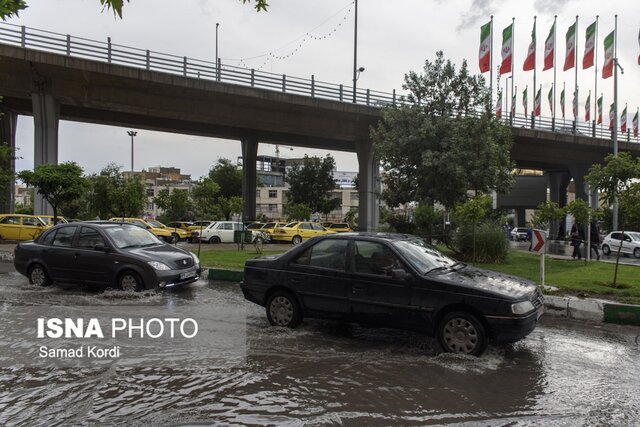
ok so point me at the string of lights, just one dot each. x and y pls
(308, 36)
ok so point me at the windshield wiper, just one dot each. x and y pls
(442, 267)
(458, 264)
(130, 246)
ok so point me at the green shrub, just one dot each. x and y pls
(490, 244)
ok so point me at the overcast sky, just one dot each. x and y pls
(393, 38)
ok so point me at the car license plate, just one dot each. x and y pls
(187, 274)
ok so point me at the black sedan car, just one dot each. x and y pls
(105, 253)
(393, 280)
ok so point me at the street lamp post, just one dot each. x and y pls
(217, 57)
(132, 134)
(355, 52)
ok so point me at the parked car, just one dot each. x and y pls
(48, 219)
(340, 227)
(177, 232)
(21, 227)
(183, 225)
(297, 232)
(269, 227)
(520, 233)
(105, 253)
(220, 232)
(630, 243)
(393, 280)
(197, 225)
(160, 232)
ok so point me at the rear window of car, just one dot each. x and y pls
(329, 253)
(89, 238)
(339, 226)
(64, 236)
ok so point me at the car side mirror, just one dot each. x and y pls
(400, 274)
(101, 247)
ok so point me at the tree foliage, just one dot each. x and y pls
(228, 177)
(177, 205)
(7, 174)
(113, 194)
(311, 184)
(546, 214)
(297, 212)
(204, 195)
(56, 183)
(442, 142)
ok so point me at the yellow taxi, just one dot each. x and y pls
(178, 232)
(21, 227)
(297, 232)
(160, 232)
(270, 228)
(48, 219)
(200, 224)
(340, 227)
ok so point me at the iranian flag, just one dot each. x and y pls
(550, 99)
(536, 104)
(607, 69)
(635, 125)
(599, 103)
(587, 109)
(623, 120)
(499, 105)
(589, 46)
(530, 62)
(549, 49)
(562, 102)
(524, 101)
(569, 59)
(612, 116)
(485, 47)
(507, 50)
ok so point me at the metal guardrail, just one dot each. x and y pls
(109, 52)
(112, 53)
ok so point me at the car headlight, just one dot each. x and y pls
(195, 258)
(522, 307)
(159, 265)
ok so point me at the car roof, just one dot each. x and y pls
(371, 235)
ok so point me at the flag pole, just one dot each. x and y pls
(615, 111)
(553, 122)
(595, 67)
(575, 92)
(564, 103)
(513, 64)
(491, 60)
(535, 51)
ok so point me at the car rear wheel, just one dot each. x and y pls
(214, 239)
(606, 250)
(636, 252)
(176, 238)
(296, 240)
(130, 282)
(283, 310)
(38, 276)
(461, 332)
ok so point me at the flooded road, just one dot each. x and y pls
(240, 371)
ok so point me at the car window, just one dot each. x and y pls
(139, 223)
(374, 258)
(615, 236)
(47, 239)
(155, 224)
(329, 253)
(30, 221)
(226, 226)
(635, 236)
(89, 238)
(269, 225)
(11, 220)
(317, 227)
(126, 236)
(305, 226)
(627, 238)
(64, 236)
(238, 226)
(291, 224)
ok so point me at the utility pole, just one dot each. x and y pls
(217, 57)
(355, 52)
(132, 134)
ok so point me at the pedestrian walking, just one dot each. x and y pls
(576, 241)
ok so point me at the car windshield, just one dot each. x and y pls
(155, 224)
(634, 236)
(291, 224)
(130, 236)
(422, 256)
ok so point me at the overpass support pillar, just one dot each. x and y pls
(249, 157)
(368, 187)
(578, 171)
(558, 182)
(46, 116)
(8, 124)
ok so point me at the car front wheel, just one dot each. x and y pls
(636, 252)
(296, 240)
(461, 332)
(283, 310)
(606, 250)
(214, 239)
(130, 282)
(38, 276)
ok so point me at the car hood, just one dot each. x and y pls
(479, 279)
(164, 253)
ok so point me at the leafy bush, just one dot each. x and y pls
(486, 242)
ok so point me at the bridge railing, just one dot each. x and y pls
(112, 53)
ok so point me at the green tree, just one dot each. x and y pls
(471, 214)
(228, 177)
(441, 142)
(113, 194)
(204, 196)
(56, 183)
(230, 205)
(297, 212)
(177, 205)
(311, 183)
(7, 174)
(547, 215)
(616, 181)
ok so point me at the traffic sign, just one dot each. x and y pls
(538, 240)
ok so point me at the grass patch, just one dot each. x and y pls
(232, 259)
(594, 279)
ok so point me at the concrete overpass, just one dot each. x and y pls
(50, 86)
